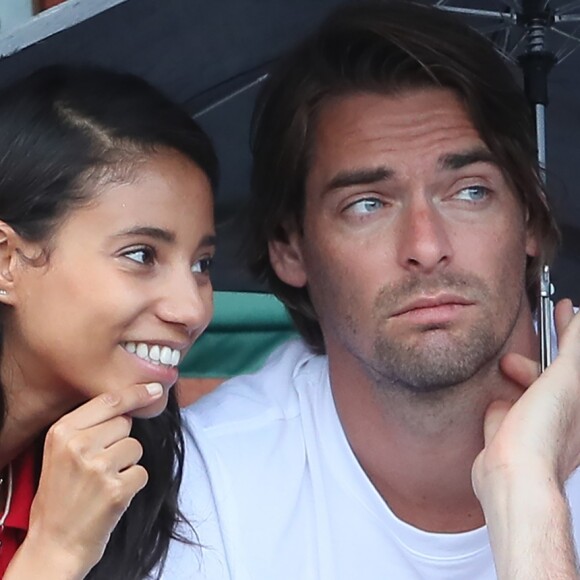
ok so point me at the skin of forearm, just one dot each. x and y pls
(37, 560)
(529, 525)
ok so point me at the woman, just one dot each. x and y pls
(106, 235)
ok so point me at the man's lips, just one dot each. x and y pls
(441, 302)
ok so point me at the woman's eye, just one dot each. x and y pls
(472, 193)
(365, 206)
(144, 256)
(202, 266)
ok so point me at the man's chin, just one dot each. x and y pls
(436, 363)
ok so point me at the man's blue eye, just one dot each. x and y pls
(473, 193)
(366, 206)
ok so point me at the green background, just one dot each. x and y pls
(245, 328)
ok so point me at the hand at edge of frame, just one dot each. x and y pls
(89, 476)
(531, 448)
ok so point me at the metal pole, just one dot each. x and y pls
(536, 16)
(540, 110)
(483, 13)
(536, 64)
(546, 304)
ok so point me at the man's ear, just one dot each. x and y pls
(10, 241)
(287, 259)
(532, 246)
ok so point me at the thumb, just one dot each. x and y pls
(493, 419)
(519, 369)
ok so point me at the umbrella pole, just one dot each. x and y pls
(546, 288)
(536, 17)
(536, 64)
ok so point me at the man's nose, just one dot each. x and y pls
(424, 243)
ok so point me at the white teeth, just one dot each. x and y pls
(155, 353)
(165, 357)
(142, 350)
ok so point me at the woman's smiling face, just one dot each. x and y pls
(125, 291)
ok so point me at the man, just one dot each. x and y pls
(399, 214)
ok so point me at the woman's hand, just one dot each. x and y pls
(89, 477)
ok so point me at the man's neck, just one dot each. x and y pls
(416, 449)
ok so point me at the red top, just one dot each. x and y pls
(16, 525)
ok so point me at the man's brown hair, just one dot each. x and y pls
(386, 48)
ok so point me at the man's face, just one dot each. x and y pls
(414, 245)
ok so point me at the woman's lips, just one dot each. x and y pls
(150, 372)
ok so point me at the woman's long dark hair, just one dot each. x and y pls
(63, 131)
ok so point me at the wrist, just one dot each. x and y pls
(38, 557)
(514, 474)
(530, 515)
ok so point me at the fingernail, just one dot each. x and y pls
(154, 389)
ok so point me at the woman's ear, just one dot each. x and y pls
(10, 242)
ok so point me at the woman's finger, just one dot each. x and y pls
(86, 442)
(112, 404)
(105, 434)
(121, 455)
(134, 479)
(118, 493)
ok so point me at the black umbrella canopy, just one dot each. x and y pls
(213, 56)
(205, 55)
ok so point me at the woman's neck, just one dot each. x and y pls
(29, 406)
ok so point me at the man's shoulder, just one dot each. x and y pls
(250, 401)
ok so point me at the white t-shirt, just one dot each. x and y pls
(275, 492)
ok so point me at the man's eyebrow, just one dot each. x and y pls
(455, 161)
(365, 176)
(370, 175)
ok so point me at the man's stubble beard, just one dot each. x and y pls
(439, 357)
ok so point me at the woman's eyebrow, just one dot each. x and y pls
(149, 231)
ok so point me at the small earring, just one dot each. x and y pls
(3, 292)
